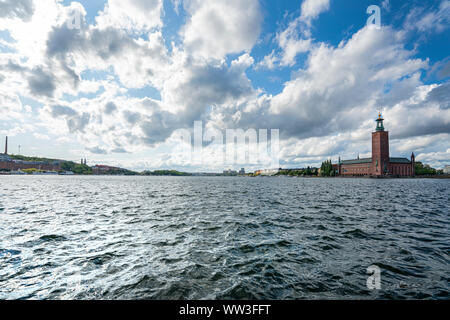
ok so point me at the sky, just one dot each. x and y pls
(114, 81)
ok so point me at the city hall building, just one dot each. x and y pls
(380, 164)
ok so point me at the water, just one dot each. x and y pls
(222, 238)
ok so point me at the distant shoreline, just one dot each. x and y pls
(195, 175)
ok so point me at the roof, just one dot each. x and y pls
(369, 160)
(399, 160)
(357, 161)
(4, 157)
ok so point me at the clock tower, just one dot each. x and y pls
(380, 149)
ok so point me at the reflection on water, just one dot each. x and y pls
(222, 238)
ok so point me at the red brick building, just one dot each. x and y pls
(15, 165)
(380, 164)
(8, 164)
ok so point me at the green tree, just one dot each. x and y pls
(327, 170)
(424, 170)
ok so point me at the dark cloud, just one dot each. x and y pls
(159, 127)
(131, 117)
(110, 107)
(441, 95)
(119, 150)
(75, 122)
(445, 71)
(14, 67)
(97, 150)
(430, 127)
(41, 83)
(63, 42)
(105, 43)
(79, 122)
(22, 9)
(218, 83)
(58, 111)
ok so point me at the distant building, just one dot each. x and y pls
(242, 171)
(9, 165)
(447, 169)
(102, 169)
(4, 156)
(380, 164)
(230, 172)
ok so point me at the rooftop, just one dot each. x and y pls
(399, 160)
(357, 161)
(369, 160)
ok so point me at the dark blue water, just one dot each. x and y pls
(222, 238)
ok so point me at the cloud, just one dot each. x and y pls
(296, 38)
(445, 71)
(110, 108)
(328, 107)
(311, 9)
(76, 122)
(342, 87)
(41, 83)
(437, 159)
(41, 136)
(134, 15)
(429, 20)
(11, 106)
(22, 9)
(216, 28)
(219, 84)
(97, 150)
(441, 95)
(119, 150)
(57, 111)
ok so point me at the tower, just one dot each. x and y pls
(6, 145)
(380, 149)
(413, 164)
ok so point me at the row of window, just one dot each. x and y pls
(402, 170)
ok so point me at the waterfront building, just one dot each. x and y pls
(230, 172)
(10, 165)
(380, 164)
(447, 170)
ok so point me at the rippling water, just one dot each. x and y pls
(222, 238)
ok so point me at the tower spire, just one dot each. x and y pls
(6, 145)
(380, 126)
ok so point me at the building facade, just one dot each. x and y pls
(380, 164)
(8, 164)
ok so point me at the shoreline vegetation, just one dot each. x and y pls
(325, 171)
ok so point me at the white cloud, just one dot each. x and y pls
(311, 9)
(217, 28)
(296, 38)
(136, 15)
(429, 21)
